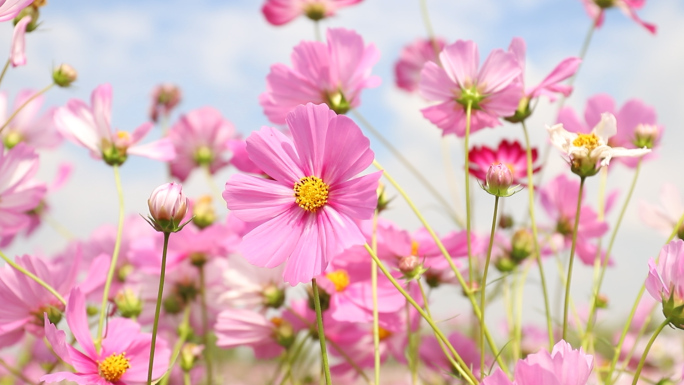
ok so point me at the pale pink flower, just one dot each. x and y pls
(123, 356)
(201, 139)
(494, 89)
(168, 206)
(431, 354)
(165, 97)
(666, 277)
(89, 126)
(628, 7)
(334, 73)
(279, 12)
(412, 59)
(17, 52)
(511, 154)
(242, 327)
(563, 366)
(9, 9)
(309, 206)
(664, 218)
(26, 126)
(252, 286)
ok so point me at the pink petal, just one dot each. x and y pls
(279, 12)
(498, 71)
(552, 83)
(254, 199)
(460, 61)
(272, 242)
(435, 84)
(17, 55)
(101, 101)
(347, 151)
(78, 321)
(356, 198)
(568, 118)
(162, 150)
(309, 127)
(274, 153)
(596, 105)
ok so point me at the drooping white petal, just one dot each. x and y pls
(606, 128)
(561, 138)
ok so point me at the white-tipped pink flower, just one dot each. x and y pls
(90, 127)
(168, 206)
(665, 281)
(279, 12)
(17, 52)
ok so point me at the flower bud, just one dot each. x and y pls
(383, 200)
(274, 296)
(284, 332)
(54, 314)
(412, 267)
(64, 75)
(189, 355)
(129, 304)
(645, 136)
(167, 206)
(506, 221)
(505, 264)
(203, 213)
(602, 301)
(499, 180)
(673, 309)
(522, 245)
(165, 97)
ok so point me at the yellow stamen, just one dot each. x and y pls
(113, 367)
(414, 248)
(123, 135)
(588, 141)
(340, 279)
(383, 333)
(311, 193)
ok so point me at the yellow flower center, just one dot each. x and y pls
(311, 193)
(124, 135)
(588, 141)
(340, 279)
(276, 321)
(113, 367)
(383, 333)
(414, 248)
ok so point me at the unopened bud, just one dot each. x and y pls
(167, 206)
(323, 296)
(165, 97)
(203, 212)
(506, 221)
(274, 296)
(505, 264)
(283, 332)
(54, 314)
(124, 271)
(412, 267)
(499, 180)
(189, 355)
(680, 232)
(198, 259)
(129, 304)
(64, 75)
(605, 4)
(522, 112)
(172, 304)
(92, 310)
(522, 245)
(433, 279)
(383, 200)
(602, 301)
(645, 136)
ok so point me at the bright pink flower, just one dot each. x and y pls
(636, 124)
(279, 12)
(165, 97)
(200, 138)
(564, 366)
(240, 158)
(242, 327)
(494, 89)
(309, 206)
(334, 73)
(9, 9)
(124, 351)
(25, 126)
(665, 217)
(89, 126)
(412, 59)
(628, 7)
(511, 154)
(17, 52)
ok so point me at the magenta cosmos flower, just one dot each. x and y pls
(90, 127)
(412, 59)
(511, 154)
(563, 366)
(279, 12)
(493, 90)
(37, 131)
(596, 10)
(122, 359)
(332, 73)
(308, 208)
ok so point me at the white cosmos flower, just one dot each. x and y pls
(587, 150)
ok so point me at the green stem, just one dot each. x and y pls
(157, 310)
(413, 343)
(183, 331)
(466, 288)
(648, 347)
(205, 326)
(469, 376)
(535, 237)
(115, 258)
(572, 258)
(469, 109)
(484, 288)
(317, 30)
(29, 100)
(640, 333)
(410, 167)
(374, 293)
(4, 69)
(428, 27)
(33, 277)
(186, 378)
(321, 332)
(16, 373)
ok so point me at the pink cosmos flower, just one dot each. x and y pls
(309, 206)
(200, 138)
(25, 126)
(665, 217)
(279, 12)
(9, 9)
(511, 154)
(412, 59)
(596, 9)
(431, 354)
(165, 97)
(89, 126)
(494, 89)
(17, 54)
(637, 125)
(242, 327)
(124, 351)
(564, 366)
(251, 286)
(334, 73)
(666, 277)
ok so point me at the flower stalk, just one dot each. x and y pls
(568, 281)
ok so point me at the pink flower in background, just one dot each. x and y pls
(511, 154)
(17, 51)
(307, 210)
(242, 327)
(165, 97)
(253, 286)
(89, 126)
(334, 73)
(9, 9)
(431, 354)
(122, 359)
(666, 277)
(412, 59)
(279, 12)
(563, 366)
(596, 10)
(26, 126)
(664, 217)
(200, 138)
(494, 89)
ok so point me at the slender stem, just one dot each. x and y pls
(212, 183)
(466, 288)
(411, 168)
(205, 326)
(640, 333)
(450, 176)
(321, 332)
(604, 264)
(535, 237)
(39, 281)
(58, 227)
(4, 69)
(374, 293)
(428, 27)
(16, 373)
(29, 100)
(572, 258)
(186, 378)
(184, 329)
(648, 347)
(413, 343)
(469, 109)
(508, 307)
(157, 310)
(115, 258)
(483, 289)
(317, 30)
(438, 333)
